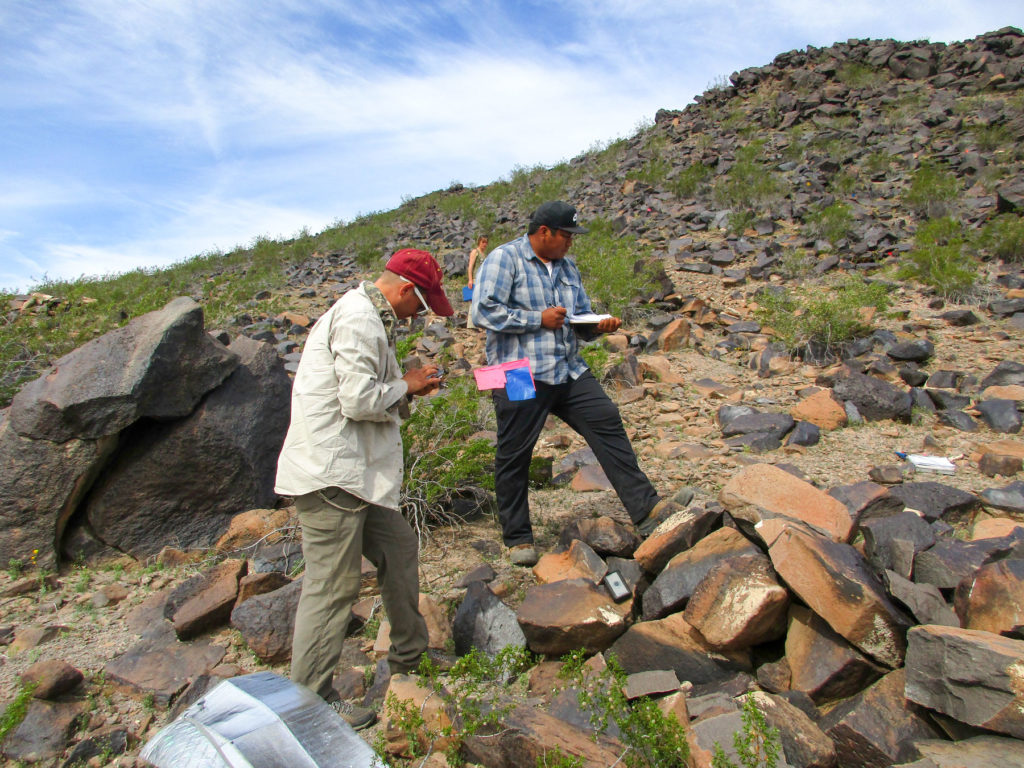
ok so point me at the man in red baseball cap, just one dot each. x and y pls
(342, 463)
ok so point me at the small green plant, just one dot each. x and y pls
(15, 568)
(688, 181)
(941, 260)
(470, 693)
(595, 355)
(857, 75)
(405, 345)
(832, 223)
(822, 315)
(740, 221)
(615, 269)
(441, 462)
(83, 580)
(556, 758)
(1003, 237)
(652, 738)
(16, 710)
(931, 189)
(756, 745)
(749, 184)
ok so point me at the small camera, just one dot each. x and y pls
(616, 586)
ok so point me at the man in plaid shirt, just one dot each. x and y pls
(525, 296)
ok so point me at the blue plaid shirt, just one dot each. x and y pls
(511, 291)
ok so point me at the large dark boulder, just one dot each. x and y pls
(875, 399)
(158, 366)
(181, 482)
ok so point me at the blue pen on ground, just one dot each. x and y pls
(901, 454)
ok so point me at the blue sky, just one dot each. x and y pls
(138, 134)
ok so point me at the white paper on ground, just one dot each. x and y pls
(932, 463)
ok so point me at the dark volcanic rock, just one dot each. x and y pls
(875, 399)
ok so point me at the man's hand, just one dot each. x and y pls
(609, 325)
(422, 381)
(553, 317)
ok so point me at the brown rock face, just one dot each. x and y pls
(574, 613)
(578, 562)
(993, 598)
(762, 491)
(822, 664)
(820, 409)
(973, 676)
(836, 583)
(739, 604)
(671, 643)
(206, 600)
(878, 727)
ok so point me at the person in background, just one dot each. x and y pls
(476, 255)
(526, 292)
(342, 463)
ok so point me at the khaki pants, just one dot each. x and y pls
(337, 528)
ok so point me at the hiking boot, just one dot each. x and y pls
(659, 513)
(523, 554)
(646, 526)
(355, 716)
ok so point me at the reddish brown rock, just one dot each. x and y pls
(972, 676)
(528, 734)
(578, 562)
(762, 491)
(992, 599)
(836, 583)
(407, 691)
(878, 727)
(822, 664)
(676, 534)
(820, 409)
(205, 600)
(260, 584)
(51, 678)
(678, 580)
(247, 528)
(671, 643)
(994, 528)
(575, 613)
(45, 732)
(591, 477)
(739, 604)
(439, 629)
(602, 534)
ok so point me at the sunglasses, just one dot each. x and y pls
(423, 302)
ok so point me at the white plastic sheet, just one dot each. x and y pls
(260, 720)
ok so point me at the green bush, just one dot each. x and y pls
(687, 182)
(749, 184)
(931, 189)
(822, 315)
(609, 266)
(756, 745)
(857, 75)
(832, 223)
(441, 462)
(652, 738)
(1003, 237)
(941, 260)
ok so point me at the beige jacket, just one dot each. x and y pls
(344, 427)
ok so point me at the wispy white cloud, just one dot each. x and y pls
(185, 124)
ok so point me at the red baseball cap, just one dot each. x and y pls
(421, 268)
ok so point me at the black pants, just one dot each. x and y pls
(585, 407)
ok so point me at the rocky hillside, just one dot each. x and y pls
(845, 542)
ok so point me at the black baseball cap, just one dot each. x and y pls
(558, 215)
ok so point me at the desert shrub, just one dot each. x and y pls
(756, 745)
(822, 315)
(738, 221)
(941, 260)
(595, 355)
(878, 164)
(931, 189)
(609, 266)
(688, 181)
(750, 184)
(1003, 237)
(652, 738)
(858, 75)
(470, 691)
(832, 223)
(442, 463)
(991, 137)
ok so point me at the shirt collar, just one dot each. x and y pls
(384, 309)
